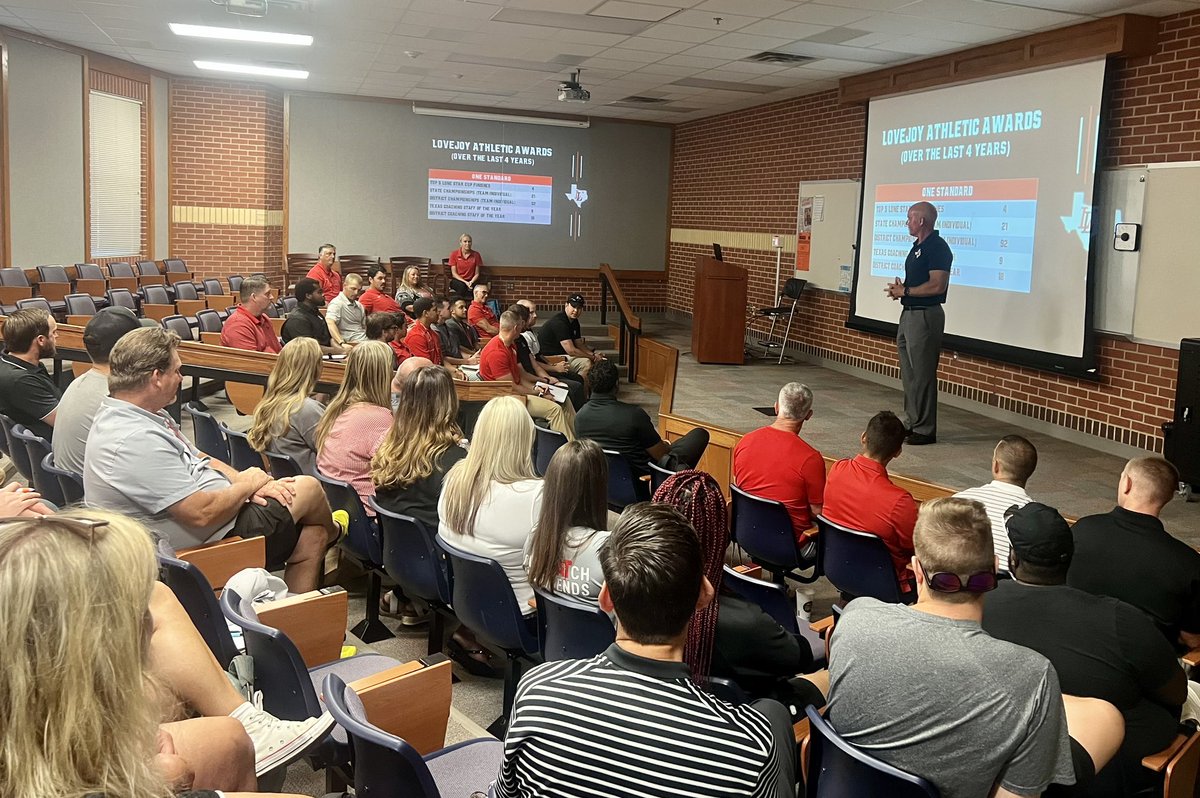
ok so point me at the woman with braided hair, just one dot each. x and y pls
(733, 638)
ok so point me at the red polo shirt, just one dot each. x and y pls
(776, 464)
(496, 360)
(476, 312)
(331, 281)
(400, 351)
(465, 268)
(423, 342)
(245, 331)
(859, 495)
(377, 302)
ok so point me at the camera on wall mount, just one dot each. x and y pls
(572, 91)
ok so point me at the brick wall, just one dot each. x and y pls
(644, 295)
(739, 172)
(226, 192)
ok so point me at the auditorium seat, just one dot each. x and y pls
(569, 628)
(858, 563)
(764, 529)
(837, 769)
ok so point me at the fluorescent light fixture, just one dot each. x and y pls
(460, 113)
(250, 69)
(240, 35)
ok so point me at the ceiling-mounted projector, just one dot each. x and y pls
(571, 91)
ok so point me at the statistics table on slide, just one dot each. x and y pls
(489, 197)
(989, 225)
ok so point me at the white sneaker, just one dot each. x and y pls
(277, 742)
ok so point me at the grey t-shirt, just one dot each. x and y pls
(73, 421)
(580, 575)
(138, 463)
(300, 438)
(943, 699)
(349, 317)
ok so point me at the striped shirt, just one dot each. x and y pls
(996, 497)
(623, 725)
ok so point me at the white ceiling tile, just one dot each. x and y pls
(655, 45)
(722, 54)
(694, 61)
(784, 29)
(743, 41)
(632, 56)
(705, 19)
(681, 33)
(564, 6)
(917, 45)
(821, 14)
(591, 37)
(753, 8)
(627, 10)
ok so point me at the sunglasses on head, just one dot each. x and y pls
(946, 582)
(85, 528)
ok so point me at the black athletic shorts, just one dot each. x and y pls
(272, 521)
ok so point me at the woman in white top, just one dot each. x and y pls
(491, 499)
(564, 550)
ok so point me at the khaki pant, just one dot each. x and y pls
(560, 417)
(580, 366)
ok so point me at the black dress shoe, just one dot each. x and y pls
(917, 439)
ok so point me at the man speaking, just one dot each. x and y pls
(919, 334)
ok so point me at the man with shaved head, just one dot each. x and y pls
(919, 333)
(1013, 462)
(1128, 554)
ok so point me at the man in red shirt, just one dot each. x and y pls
(325, 273)
(859, 494)
(375, 299)
(498, 361)
(775, 463)
(421, 340)
(248, 327)
(480, 316)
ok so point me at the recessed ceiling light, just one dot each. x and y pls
(250, 69)
(240, 35)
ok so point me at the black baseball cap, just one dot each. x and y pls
(107, 327)
(1039, 535)
(576, 300)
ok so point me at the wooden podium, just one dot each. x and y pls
(718, 312)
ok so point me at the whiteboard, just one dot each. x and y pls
(1120, 197)
(1168, 284)
(834, 230)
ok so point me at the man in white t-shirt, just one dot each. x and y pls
(1013, 462)
(345, 317)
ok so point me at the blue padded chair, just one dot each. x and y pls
(413, 560)
(290, 690)
(764, 529)
(623, 488)
(546, 443)
(858, 563)
(196, 595)
(206, 432)
(837, 769)
(235, 283)
(386, 765)
(483, 600)
(5, 424)
(80, 305)
(14, 276)
(241, 454)
(363, 544)
(212, 286)
(70, 483)
(122, 298)
(40, 303)
(288, 304)
(36, 449)
(571, 629)
(273, 311)
(175, 266)
(17, 452)
(770, 596)
(283, 465)
(121, 269)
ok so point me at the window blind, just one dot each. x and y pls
(116, 175)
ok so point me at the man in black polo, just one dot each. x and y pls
(919, 334)
(625, 428)
(1100, 647)
(27, 393)
(1128, 554)
(464, 337)
(560, 335)
(306, 322)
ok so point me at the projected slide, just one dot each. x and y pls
(989, 225)
(487, 197)
(1009, 164)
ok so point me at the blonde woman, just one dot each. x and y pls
(358, 417)
(491, 500)
(411, 289)
(80, 716)
(286, 419)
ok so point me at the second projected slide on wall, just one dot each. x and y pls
(989, 225)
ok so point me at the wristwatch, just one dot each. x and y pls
(906, 290)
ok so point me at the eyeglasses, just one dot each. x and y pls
(946, 582)
(85, 528)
